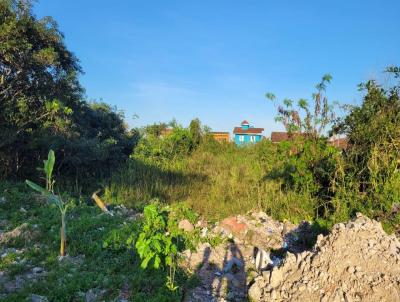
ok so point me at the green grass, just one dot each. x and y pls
(217, 180)
(104, 268)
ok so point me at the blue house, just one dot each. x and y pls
(246, 134)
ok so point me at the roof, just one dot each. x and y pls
(245, 123)
(248, 131)
(277, 137)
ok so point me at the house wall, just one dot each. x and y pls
(221, 137)
(247, 139)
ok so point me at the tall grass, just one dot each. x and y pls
(216, 180)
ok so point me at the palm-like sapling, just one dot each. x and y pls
(52, 198)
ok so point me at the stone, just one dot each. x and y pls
(90, 296)
(350, 270)
(201, 223)
(37, 270)
(255, 292)
(186, 225)
(37, 298)
(276, 278)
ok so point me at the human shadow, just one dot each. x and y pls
(234, 272)
(221, 278)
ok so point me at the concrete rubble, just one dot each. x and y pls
(357, 261)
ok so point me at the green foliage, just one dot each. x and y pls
(41, 105)
(304, 119)
(51, 197)
(160, 241)
(372, 160)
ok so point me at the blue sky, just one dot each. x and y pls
(216, 59)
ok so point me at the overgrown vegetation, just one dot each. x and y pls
(305, 177)
(42, 107)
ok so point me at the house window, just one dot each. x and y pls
(252, 138)
(241, 138)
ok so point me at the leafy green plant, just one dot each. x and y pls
(303, 118)
(52, 198)
(159, 242)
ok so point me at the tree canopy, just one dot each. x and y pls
(42, 102)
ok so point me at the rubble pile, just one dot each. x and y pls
(358, 261)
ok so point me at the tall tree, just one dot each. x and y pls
(39, 87)
(42, 105)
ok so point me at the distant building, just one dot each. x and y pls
(338, 142)
(277, 137)
(221, 136)
(246, 134)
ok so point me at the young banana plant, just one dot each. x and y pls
(52, 198)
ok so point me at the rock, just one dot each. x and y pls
(37, 270)
(351, 270)
(37, 298)
(94, 294)
(255, 292)
(201, 223)
(90, 296)
(340, 265)
(276, 278)
(185, 225)
(204, 232)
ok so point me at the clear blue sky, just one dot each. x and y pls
(216, 59)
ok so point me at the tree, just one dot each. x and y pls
(196, 132)
(38, 80)
(42, 105)
(303, 119)
(373, 132)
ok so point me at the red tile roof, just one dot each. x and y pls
(240, 130)
(245, 123)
